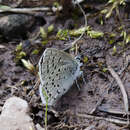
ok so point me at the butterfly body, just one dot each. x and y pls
(58, 70)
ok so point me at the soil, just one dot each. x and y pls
(75, 107)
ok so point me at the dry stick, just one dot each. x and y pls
(119, 82)
(36, 9)
(25, 10)
(31, 10)
(112, 111)
(127, 58)
(112, 120)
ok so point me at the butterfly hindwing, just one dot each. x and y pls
(57, 70)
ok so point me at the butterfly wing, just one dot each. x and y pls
(57, 71)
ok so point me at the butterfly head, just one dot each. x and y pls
(78, 58)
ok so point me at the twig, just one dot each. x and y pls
(112, 111)
(25, 10)
(127, 58)
(112, 120)
(31, 10)
(119, 82)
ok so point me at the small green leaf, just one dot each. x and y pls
(111, 41)
(77, 32)
(128, 39)
(50, 28)
(35, 52)
(22, 54)
(43, 33)
(28, 65)
(111, 1)
(121, 44)
(95, 34)
(44, 42)
(19, 47)
(85, 59)
(62, 34)
(105, 70)
(104, 11)
(123, 34)
(114, 50)
(56, 4)
(112, 35)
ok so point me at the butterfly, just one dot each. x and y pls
(57, 71)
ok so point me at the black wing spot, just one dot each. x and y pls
(57, 74)
(51, 52)
(52, 72)
(49, 77)
(52, 79)
(47, 91)
(64, 89)
(59, 59)
(55, 67)
(49, 94)
(59, 70)
(58, 85)
(52, 83)
(46, 88)
(47, 70)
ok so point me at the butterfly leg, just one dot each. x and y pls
(83, 79)
(77, 84)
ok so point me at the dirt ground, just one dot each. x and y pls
(75, 107)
